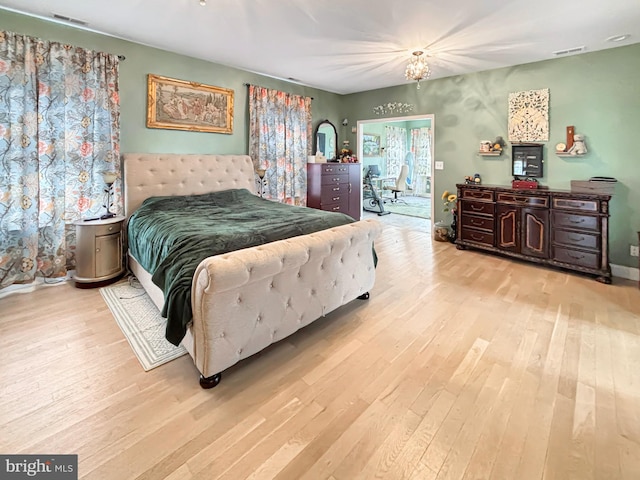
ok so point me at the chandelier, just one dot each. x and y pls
(417, 69)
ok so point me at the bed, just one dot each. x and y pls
(245, 300)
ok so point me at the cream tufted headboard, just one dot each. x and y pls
(160, 174)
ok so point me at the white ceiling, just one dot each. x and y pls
(355, 45)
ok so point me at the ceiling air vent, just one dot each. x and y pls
(567, 51)
(75, 21)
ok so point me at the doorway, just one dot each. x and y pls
(391, 143)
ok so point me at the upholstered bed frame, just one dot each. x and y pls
(245, 300)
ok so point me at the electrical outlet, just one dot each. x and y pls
(633, 250)
(439, 165)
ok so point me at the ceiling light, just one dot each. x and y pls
(417, 69)
(203, 2)
(618, 38)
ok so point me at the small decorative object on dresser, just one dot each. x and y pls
(98, 252)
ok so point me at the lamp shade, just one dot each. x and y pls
(109, 177)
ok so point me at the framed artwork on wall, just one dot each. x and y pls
(182, 105)
(370, 145)
(529, 116)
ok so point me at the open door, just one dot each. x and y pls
(386, 144)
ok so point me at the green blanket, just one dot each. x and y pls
(170, 236)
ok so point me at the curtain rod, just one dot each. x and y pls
(249, 84)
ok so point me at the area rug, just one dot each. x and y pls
(141, 323)
(411, 210)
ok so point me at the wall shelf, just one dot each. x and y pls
(565, 154)
(490, 154)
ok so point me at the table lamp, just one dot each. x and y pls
(109, 179)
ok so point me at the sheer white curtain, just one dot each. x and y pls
(395, 150)
(421, 149)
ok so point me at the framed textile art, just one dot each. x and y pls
(529, 116)
(182, 105)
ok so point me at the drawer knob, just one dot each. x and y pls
(97, 250)
(473, 207)
(335, 198)
(576, 239)
(476, 237)
(577, 257)
(336, 208)
(336, 189)
(111, 228)
(581, 220)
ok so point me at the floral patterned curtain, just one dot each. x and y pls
(279, 133)
(396, 149)
(421, 148)
(59, 129)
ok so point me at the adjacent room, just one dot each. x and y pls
(294, 240)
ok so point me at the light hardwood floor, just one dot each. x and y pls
(461, 365)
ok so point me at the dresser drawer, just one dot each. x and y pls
(528, 200)
(581, 205)
(334, 178)
(469, 206)
(328, 169)
(334, 194)
(478, 194)
(477, 236)
(336, 207)
(483, 223)
(576, 239)
(572, 220)
(576, 257)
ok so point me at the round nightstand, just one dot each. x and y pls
(98, 251)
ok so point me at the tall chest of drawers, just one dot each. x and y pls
(335, 187)
(557, 228)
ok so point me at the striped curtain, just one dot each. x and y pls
(59, 130)
(279, 142)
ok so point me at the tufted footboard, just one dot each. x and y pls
(245, 300)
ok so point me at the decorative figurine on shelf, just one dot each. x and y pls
(578, 147)
(485, 146)
(476, 179)
(498, 144)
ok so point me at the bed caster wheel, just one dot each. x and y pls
(210, 382)
(364, 296)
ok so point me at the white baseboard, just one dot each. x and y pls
(623, 271)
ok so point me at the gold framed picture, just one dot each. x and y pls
(182, 105)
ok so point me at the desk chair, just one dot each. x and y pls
(400, 185)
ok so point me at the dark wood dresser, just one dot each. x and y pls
(335, 187)
(552, 227)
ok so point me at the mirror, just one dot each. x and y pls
(327, 140)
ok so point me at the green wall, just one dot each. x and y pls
(598, 93)
(142, 60)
